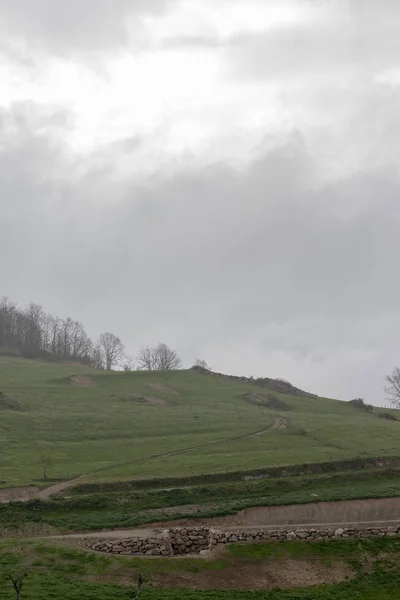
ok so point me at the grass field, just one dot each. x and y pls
(157, 446)
(366, 570)
(96, 428)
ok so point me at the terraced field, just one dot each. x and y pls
(134, 450)
(139, 425)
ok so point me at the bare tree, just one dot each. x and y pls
(139, 588)
(34, 333)
(17, 577)
(96, 359)
(34, 322)
(146, 359)
(392, 387)
(113, 350)
(160, 358)
(46, 461)
(167, 359)
(129, 364)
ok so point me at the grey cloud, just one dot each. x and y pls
(72, 26)
(264, 271)
(352, 37)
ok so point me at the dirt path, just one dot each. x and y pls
(30, 493)
(59, 487)
(279, 423)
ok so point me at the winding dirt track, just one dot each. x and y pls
(56, 489)
(24, 494)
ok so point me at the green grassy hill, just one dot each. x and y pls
(120, 425)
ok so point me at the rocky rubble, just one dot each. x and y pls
(198, 540)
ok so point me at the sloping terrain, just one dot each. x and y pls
(201, 423)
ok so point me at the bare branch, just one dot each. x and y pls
(392, 388)
(160, 358)
(113, 349)
(202, 364)
(139, 588)
(46, 461)
(17, 577)
(129, 364)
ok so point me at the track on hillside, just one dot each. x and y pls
(44, 494)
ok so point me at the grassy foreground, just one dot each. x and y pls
(370, 572)
(120, 425)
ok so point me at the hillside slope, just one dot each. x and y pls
(167, 424)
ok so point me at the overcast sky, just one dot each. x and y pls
(222, 176)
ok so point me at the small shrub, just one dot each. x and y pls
(360, 404)
(387, 416)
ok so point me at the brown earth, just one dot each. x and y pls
(82, 381)
(152, 400)
(264, 574)
(163, 389)
(155, 401)
(18, 494)
(380, 510)
(267, 400)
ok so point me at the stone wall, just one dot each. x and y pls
(196, 540)
(311, 533)
(189, 540)
(154, 546)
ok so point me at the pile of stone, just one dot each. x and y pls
(189, 541)
(157, 546)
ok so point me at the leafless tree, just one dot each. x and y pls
(129, 364)
(96, 359)
(34, 333)
(113, 350)
(160, 358)
(139, 588)
(35, 318)
(146, 359)
(167, 359)
(392, 387)
(46, 461)
(17, 577)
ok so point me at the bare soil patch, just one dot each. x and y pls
(314, 513)
(82, 381)
(347, 511)
(152, 400)
(262, 575)
(18, 493)
(7, 403)
(267, 400)
(163, 389)
(155, 401)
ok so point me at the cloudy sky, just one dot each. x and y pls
(222, 176)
